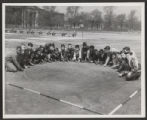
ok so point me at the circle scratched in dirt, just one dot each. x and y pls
(41, 72)
(68, 71)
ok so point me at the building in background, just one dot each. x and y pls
(32, 17)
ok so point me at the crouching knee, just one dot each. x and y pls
(10, 67)
(133, 76)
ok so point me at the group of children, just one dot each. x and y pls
(125, 61)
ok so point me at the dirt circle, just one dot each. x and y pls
(66, 70)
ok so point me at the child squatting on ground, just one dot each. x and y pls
(125, 61)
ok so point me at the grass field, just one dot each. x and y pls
(93, 86)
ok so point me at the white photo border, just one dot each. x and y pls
(143, 101)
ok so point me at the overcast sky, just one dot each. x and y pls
(118, 9)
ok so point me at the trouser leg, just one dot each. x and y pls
(10, 67)
(133, 75)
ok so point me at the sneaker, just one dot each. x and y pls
(120, 74)
(26, 67)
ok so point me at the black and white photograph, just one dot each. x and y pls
(73, 60)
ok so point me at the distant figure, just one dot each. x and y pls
(21, 31)
(74, 34)
(53, 33)
(13, 30)
(40, 32)
(48, 33)
(6, 31)
(63, 34)
(32, 32)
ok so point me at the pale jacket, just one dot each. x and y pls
(75, 53)
(133, 61)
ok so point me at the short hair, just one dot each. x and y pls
(69, 44)
(101, 50)
(127, 48)
(18, 47)
(77, 46)
(96, 50)
(107, 48)
(30, 44)
(41, 46)
(56, 49)
(52, 44)
(91, 46)
(84, 44)
(62, 45)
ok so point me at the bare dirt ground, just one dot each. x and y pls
(93, 86)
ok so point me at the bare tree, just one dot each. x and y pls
(108, 17)
(132, 19)
(120, 21)
(84, 19)
(72, 13)
(97, 18)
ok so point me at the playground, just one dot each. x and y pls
(74, 85)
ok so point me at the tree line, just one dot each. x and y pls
(74, 19)
(106, 20)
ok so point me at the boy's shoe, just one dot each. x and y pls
(91, 61)
(26, 67)
(122, 74)
(104, 65)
